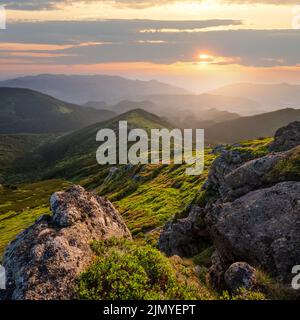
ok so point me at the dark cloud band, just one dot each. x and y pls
(122, 41)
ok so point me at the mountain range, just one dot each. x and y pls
(180, 116)
(199, 103)
(269, 96)
(80, 89)
(247, 128)
(27, 111)
(71, 154)
(104, 90)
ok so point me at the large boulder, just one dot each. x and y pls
(287, 137)
(44, 260)
(184, 237)
(252, 175)
(261, 228)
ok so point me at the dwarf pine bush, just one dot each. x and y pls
(124, 270)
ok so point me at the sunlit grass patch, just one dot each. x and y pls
(22, 205)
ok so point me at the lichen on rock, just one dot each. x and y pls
(43, 261)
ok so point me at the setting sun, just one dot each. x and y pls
(205, 58)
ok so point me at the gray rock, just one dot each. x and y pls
(240, 275)
(250, 176)
(252, 212)
(261, 228)
(222, 166)
(184, 236)
(44, 260)
(219, 149)
(287, 137)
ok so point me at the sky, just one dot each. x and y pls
(199, 45)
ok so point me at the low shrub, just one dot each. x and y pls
(124, 270)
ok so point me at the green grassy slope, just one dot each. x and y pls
(73, 156)
(27, 111)
(146, 195)
(13, 146)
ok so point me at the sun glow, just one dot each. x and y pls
(205, 58)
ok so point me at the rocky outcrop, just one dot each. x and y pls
(222, 166)
(250, 176)
(287, 137)
(44, 260)
(261, 228)
(185, 236)
(253, 215)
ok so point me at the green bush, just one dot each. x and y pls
(123, 270)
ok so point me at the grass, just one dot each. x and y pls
(147, 196)
(13, 146)
(20, 207)
(272, 289)
(288, 168)
(204, 257)
(255, 148)
(158, 193)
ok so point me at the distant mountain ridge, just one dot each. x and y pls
(27, 111)
(270, 96)
(186, 113)
(248, 128)
(80, 89)
(205, 101)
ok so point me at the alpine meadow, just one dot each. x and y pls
(149, 150)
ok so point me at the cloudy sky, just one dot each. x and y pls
(198, 44)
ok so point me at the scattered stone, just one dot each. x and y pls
(240, 275)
